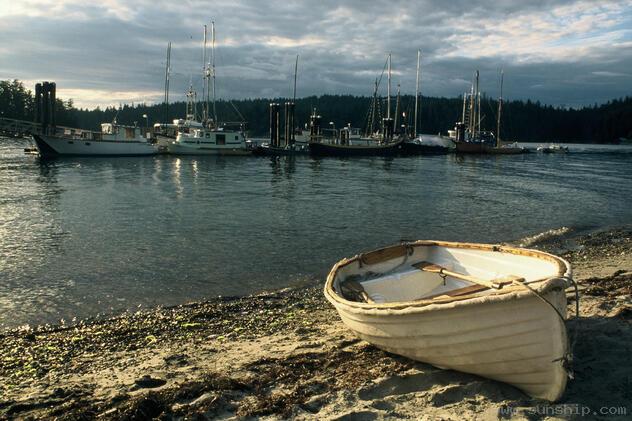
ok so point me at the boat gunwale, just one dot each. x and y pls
(423, 305)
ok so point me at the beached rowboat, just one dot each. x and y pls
(494, 311)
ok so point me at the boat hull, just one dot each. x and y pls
(178, 149)
(412, 148)
(53, 146)
(272, 151)
(481, 148)
(333, 150)
(514, 337)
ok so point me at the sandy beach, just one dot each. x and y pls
(286, 354)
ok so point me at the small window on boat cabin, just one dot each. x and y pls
(208, 135)
(236, 137)
(220, 139)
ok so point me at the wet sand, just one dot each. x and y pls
(287, 355)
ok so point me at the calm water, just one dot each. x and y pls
(83, 236)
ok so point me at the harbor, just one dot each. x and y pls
(297, 211)
(143, 225)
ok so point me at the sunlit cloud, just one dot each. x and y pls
(91, 98)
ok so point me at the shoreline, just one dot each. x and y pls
(286, 354)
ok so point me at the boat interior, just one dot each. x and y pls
(405, 273)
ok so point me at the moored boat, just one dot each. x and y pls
(208, 137)
(469, 138)
(495, 311)
(113, 140)
(345, 150)
(345, 143)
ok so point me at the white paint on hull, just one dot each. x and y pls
(179, 149)
(90, 147)
(510, 335)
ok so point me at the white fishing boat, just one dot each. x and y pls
(210, 141)
(208, 137)
(113, 140)
(489, 310)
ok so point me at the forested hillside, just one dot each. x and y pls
(522, 120)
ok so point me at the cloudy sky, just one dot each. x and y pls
(560, 52)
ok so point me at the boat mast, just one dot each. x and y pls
(500, 108)
(167, 70)
(417, 91)
(472, 115)
(292, 139)
(213, 69)
(397, 107)
(373, 110)
(191, 103)
(205, 87)
(388, 93)
(295, 72)
(478, 105)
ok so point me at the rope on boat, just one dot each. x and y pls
(566, 359)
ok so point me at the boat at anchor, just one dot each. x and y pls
(385, 143)
(113, 140)
(208, 137)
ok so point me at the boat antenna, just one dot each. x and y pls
(167, 71)
(213, 68)
(500, 108)
(417, 91)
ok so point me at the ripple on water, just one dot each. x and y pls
(88, 235)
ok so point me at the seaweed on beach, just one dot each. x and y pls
(618, 284)
(32, 353)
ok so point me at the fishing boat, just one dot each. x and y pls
(341, 145)
(423, 144)
(208, 137)
(345, 150)
(494, 311)
(555, 148)
(113, 140)
(469, 138)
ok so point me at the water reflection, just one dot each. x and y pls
(80, 236)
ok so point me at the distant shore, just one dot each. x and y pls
(286, 354)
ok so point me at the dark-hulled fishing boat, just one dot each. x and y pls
(341, 144)
(470, 139)
(345, 150)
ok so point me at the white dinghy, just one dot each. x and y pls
(494, 311)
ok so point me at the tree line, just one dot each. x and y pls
(521, 120)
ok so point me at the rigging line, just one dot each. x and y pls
(379, 80)
(243, 120)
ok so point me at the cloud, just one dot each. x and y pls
(562, 52)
